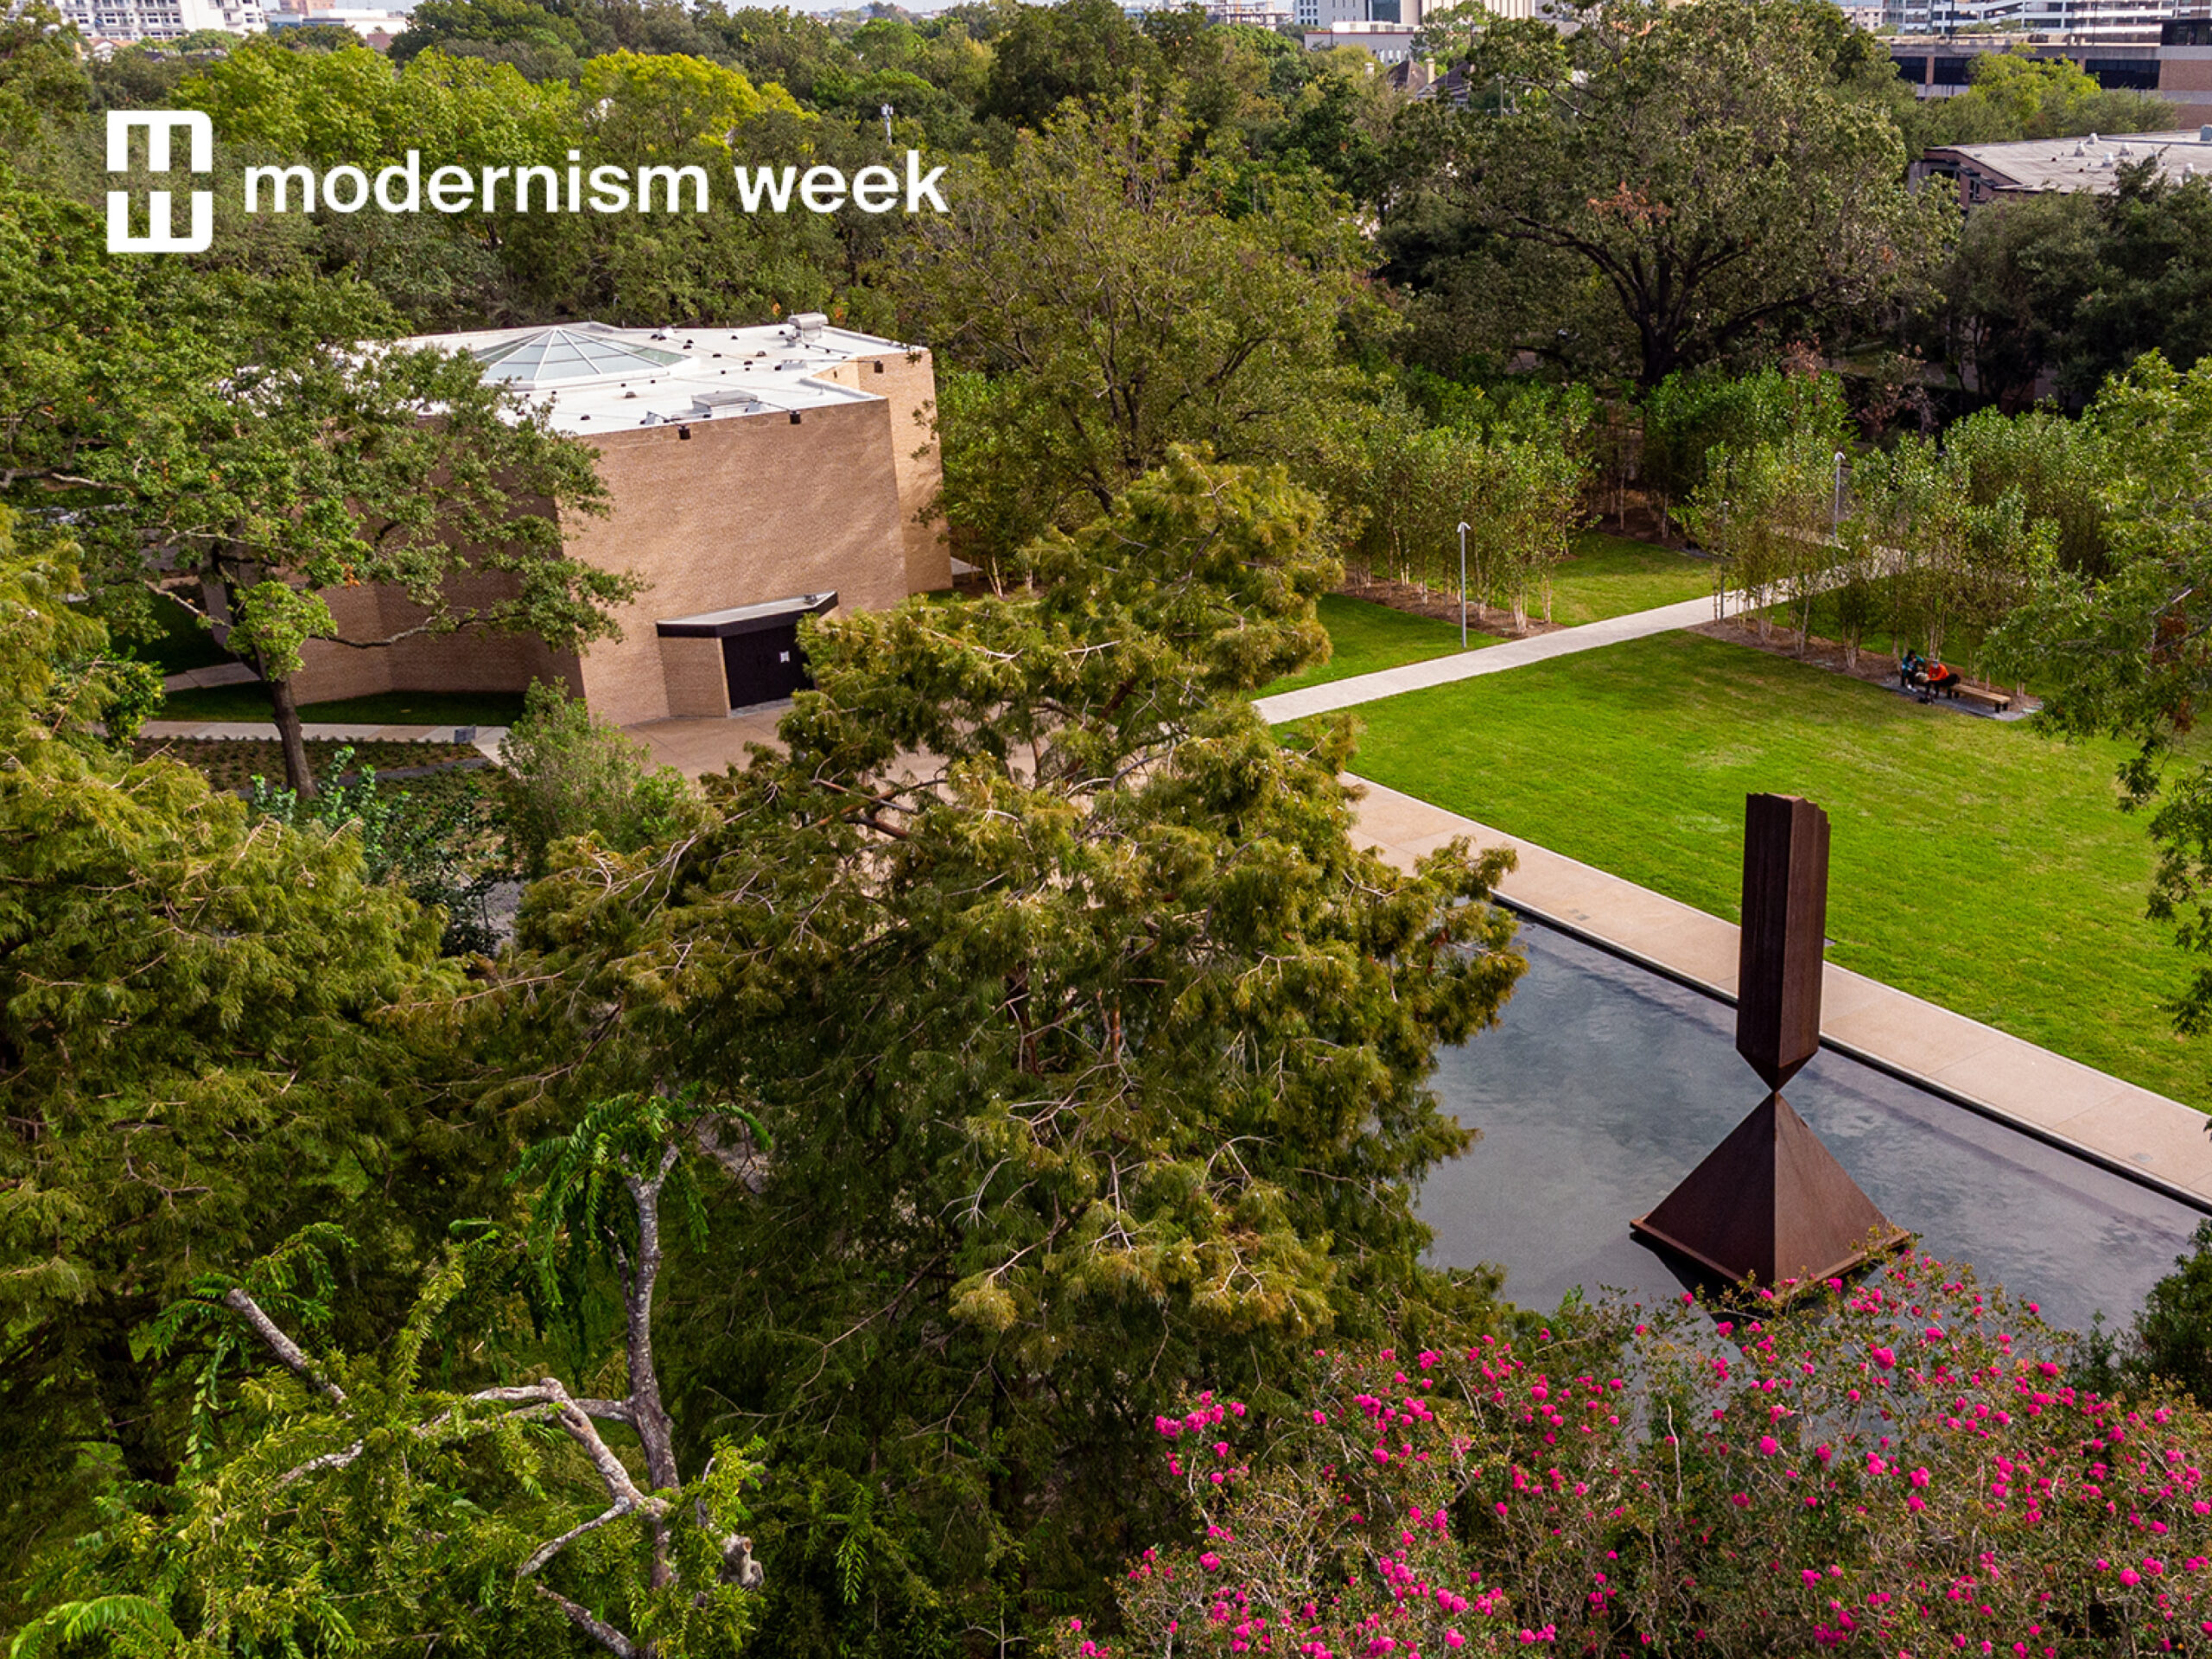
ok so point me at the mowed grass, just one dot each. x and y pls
(1973, 863)
(1610, 577)
(1368, 638)
(250, 703)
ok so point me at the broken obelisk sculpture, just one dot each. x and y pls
(1770, 1203)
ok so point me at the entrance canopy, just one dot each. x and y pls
(747, 619)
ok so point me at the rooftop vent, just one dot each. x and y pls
(809, 324)
(705, 404)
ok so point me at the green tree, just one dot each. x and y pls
(2125, 651)
(2021, 268)
(391, 1505)
(2014, 94)
(552, 40)
(189, 1056)
(565, 772)
(40, 75)
(1088, 1046)
(1692, 421)
(1712, 177)
(247, 476)
(1086, 50)
(1118, 311)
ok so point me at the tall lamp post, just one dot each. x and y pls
(1463, 587)
(1836, 516)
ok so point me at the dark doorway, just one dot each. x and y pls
(761, 658)
(765, 666)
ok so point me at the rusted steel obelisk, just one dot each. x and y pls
(1770, 1202)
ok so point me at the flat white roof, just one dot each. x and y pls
(2080, 164)
(591, 379)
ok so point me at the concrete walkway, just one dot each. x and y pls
(195, 679)
(486, 738)
(1489, 660)
(2130, 1131)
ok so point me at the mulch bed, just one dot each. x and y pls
(1434, 602)
(234, 762)
(1875, 667)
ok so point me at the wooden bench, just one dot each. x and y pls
(1995, 701)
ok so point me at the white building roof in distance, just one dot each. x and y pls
(591, 378)
(2090, 163)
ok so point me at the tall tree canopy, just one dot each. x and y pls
(1085, 1044)
(1113, 308)
(246, 466)
(188, 1059)
(1705, 178)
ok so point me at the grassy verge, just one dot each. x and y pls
(1610, 577)
(1974, 863)
(250, 703)
(1369, 638)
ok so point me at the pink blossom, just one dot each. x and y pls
(1768, 1445)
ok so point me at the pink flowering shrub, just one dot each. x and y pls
(1895, 1468)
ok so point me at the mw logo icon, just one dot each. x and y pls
(161, 224)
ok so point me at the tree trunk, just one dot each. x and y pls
(299, 777)
(127, 1401)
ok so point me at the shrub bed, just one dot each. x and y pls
(1900, 1467)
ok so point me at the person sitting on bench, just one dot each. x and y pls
(1911, 671)
(1941, 680)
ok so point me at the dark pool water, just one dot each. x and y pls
(1605, 1084)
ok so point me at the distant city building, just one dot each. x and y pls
(127, 23)
(2174, 61)
(1328, 14)
(378, 27)
(1257, 14)
(1384, 42)
(1987, 173)
(2063, 20)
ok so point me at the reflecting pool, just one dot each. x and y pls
(1605, 1084)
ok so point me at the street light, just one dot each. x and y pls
(1835, 518)
(886, 123)
(1463, 587)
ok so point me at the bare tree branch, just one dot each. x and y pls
(288, 1353)
(598, 1629)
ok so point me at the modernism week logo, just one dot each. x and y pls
(406, 187)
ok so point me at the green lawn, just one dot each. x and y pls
(1369, 636)
(1609, 577)
(250, 703)
(1974, 863)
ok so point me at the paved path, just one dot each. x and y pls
(194, 679)
(486, 738)
(1489, 659)
(2126, 1128)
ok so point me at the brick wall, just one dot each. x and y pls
(749, 508)
(692, 669)
(908, 382)
(466, 661)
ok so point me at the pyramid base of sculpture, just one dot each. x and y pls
(1770, 1203)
